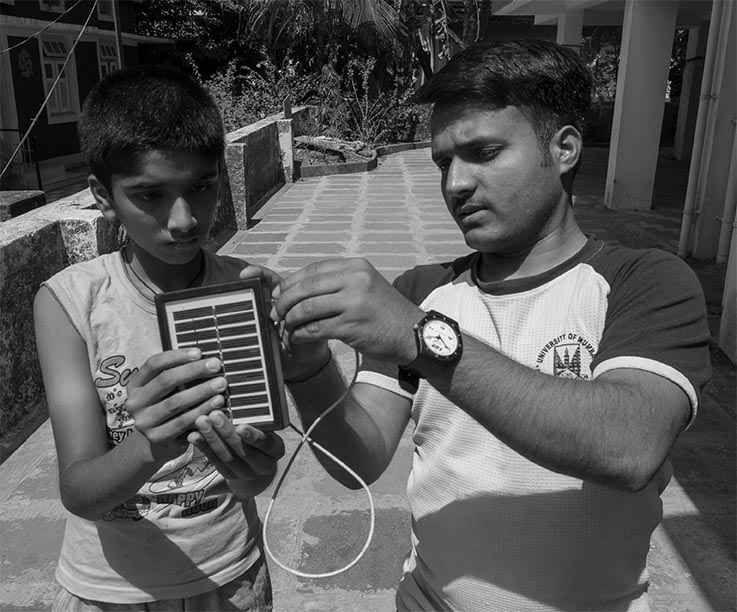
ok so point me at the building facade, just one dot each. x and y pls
(56, 49)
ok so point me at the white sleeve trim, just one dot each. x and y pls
(383, 381)
(656, 367)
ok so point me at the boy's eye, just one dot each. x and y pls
(148, 196)
(202, 187)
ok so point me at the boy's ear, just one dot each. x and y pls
(102, 196)
(566, 147)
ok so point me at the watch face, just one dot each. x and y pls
(440, 338)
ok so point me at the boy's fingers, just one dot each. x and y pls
(196, 439)
(182, 415)
(167, 382)
(247, 450)
(268, 443)
(212, 438)
(156, 364)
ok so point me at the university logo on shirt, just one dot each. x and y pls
(568, 355)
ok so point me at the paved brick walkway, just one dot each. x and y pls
(393, 216)
(396, 218)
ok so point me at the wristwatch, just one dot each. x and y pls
(439, 345)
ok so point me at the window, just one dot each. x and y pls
(52, 6)
(63, 103)
(105, 10)
(107, 58)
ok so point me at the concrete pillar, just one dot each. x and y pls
(689, 102)
(286, 146)
(716, 160)
(647, 41)
(570, 27)
(728, 321)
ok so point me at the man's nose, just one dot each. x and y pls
(180, 216)
(458, 178)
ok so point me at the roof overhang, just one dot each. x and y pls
(595, 12)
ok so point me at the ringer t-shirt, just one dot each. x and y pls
(492, 530)
(184, 533)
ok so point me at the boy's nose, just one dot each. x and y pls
(180, 216)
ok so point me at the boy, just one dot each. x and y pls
(547, 374)
(158, 482)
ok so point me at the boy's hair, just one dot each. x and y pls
(548, 82)
(146, 108)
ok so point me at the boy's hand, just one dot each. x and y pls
(244, 455)
(163, 412)
(298, 360)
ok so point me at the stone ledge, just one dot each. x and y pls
(401, 146)
(15, 203)
(302, 171)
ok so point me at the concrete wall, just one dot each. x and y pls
(16, 203)
(33, 247)
(39, 243)
(257, 164)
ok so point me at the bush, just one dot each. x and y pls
(348, 106)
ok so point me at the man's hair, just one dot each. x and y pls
(136, 110)
(547, 82)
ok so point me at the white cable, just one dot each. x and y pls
(46, 27)
(51, 91)
(306, 438)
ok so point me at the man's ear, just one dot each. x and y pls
(566, 147)
(102, 196)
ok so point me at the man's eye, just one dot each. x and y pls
(486, 154)
(202, 188)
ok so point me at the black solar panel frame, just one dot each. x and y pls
(278, 417)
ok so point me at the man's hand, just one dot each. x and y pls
(162, 410)
(298, 360)
(347, 299)
(244, 455)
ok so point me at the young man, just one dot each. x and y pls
(547, 374)
(156, 523)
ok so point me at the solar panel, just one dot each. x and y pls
(230, 322)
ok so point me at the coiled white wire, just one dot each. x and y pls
(306, 438)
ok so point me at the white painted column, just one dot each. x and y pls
(286, 146)
(713, 172)
(689, 102)
(647, 41)
(570, 28)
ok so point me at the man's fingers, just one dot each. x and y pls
(271, 278)
(333, 281)
(327, 267)
(315, 312)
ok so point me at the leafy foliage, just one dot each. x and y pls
(347, 57)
